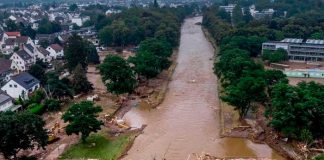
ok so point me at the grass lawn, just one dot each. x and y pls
(104, 149)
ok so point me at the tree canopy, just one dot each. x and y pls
(82, 118)
(117, 75)
(21, 131)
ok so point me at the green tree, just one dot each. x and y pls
(275, 56)
(52, 105)
(37, 97)
(80, 82)
(146, 64)
(224, 15)
(317, 35)
(272, 77)
(106, 36)
(158, 47)
(117, 75)
(73, 7)
(38, 72)
(44, 43)
(82, 118)
(242, 95)
(92, 56)
(11, 26)
(155, 4)
(47, 27)
(76, 52)
(57, 88)
(28, 31)
(21, 131)
(237, 15)
(297, 108)
(120, 33)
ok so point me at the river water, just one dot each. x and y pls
(187, 122)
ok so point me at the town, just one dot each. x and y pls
(151, 79)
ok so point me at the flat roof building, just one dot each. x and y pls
(298, 50)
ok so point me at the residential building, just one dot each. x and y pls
(229, 8)
(6, 102)
(21, 61)
(299, 50)
(21, 85)
(55, 50)
(43, 54)
(5, 71)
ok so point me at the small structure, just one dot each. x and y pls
(21, 85)
(304, 73)
(6, 102)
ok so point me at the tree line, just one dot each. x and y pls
(295, 111)
(155, 31)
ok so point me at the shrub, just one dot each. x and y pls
(36, 108)
(52, 105)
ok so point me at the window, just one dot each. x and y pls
(15, 86)
(10, 85)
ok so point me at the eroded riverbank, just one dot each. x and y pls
(187, 122)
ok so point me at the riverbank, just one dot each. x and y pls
(254, 128)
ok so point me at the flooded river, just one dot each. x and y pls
(187, 121)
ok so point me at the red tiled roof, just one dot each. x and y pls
(12, 33)
(56, 47)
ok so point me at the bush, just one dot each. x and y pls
(52, 105)
(319, 157)
(36, 108)
(37, 96)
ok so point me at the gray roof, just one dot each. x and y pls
(4, 98)
(292, 40)
(5, 65)
(315, 41)
(24, 55)
(25, 80)
(29, 47)
(43, 51)
(10, 41)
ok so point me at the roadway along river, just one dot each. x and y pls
(187, 121)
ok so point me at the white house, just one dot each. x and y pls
(21, 85)
(56, 51)
(43, 54)
(5, 102)
(21, 61)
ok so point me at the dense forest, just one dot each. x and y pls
(295, 111)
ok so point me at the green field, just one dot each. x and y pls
(104, 149)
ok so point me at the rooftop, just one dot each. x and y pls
(292, 40)
(12, 33)
(25, 80)
(4, 65)
(56, 47)
(4, 98)
(43, 51)
(24, 55)
(314, 41)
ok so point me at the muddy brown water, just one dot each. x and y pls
(187, 121)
